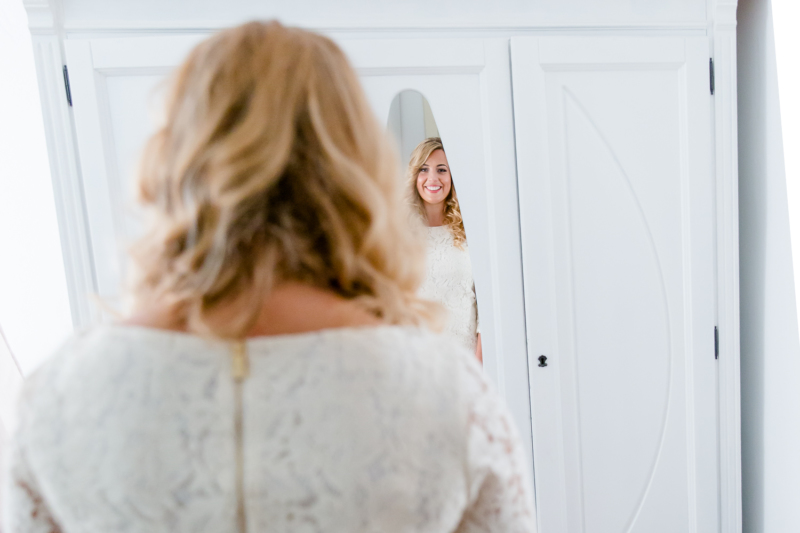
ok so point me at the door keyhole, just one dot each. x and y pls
(542, 360)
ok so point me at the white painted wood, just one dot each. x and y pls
(502, 226)
(727, 194)
(616, 186)
(102, 189)
(442, 13)
(64, 168)
(466, 82)
(115, 101)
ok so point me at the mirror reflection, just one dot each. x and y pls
(434, 203)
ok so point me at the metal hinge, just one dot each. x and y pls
(716, 342)
(66, 86)
(711, 74)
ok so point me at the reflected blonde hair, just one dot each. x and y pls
(452, 210)
(270, 166)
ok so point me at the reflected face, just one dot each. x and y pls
(434, 182)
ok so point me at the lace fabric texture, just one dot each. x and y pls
(357, 430)
(449, 282)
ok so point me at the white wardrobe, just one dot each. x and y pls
(593, 145)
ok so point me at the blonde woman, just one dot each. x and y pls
(272, 375)
(449, 275)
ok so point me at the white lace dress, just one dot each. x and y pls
(380, 429)
(449, 282)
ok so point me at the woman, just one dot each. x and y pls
(449, 276)
(272, 375)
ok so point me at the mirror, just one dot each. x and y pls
(432, 187)
(411, 122)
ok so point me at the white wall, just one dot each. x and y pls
(770, 349)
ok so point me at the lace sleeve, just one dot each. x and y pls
(501, 497)
(25, 510)
(24, 507)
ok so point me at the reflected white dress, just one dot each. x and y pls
(378, 429)
(449, 282)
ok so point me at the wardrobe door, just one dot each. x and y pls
(615, 170)
(117, 91)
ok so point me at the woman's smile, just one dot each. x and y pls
(433, 180)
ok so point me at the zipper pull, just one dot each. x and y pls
(241, 364)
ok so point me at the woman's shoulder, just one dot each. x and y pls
(81, 345)
(95, 360)
(415, 352)
(108, 341)
(432, 360)
(420, 345)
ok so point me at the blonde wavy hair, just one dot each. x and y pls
(270, 167)
(452, 211)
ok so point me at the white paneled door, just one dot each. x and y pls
(616, 185)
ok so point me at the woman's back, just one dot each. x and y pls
(351, 429)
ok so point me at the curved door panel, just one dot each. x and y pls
(616, 192)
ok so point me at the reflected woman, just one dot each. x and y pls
(449, 276)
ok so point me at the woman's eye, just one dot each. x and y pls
(442, 170)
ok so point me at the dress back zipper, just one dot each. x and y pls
(240, 372)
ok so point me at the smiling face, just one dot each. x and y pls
(433, 181)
